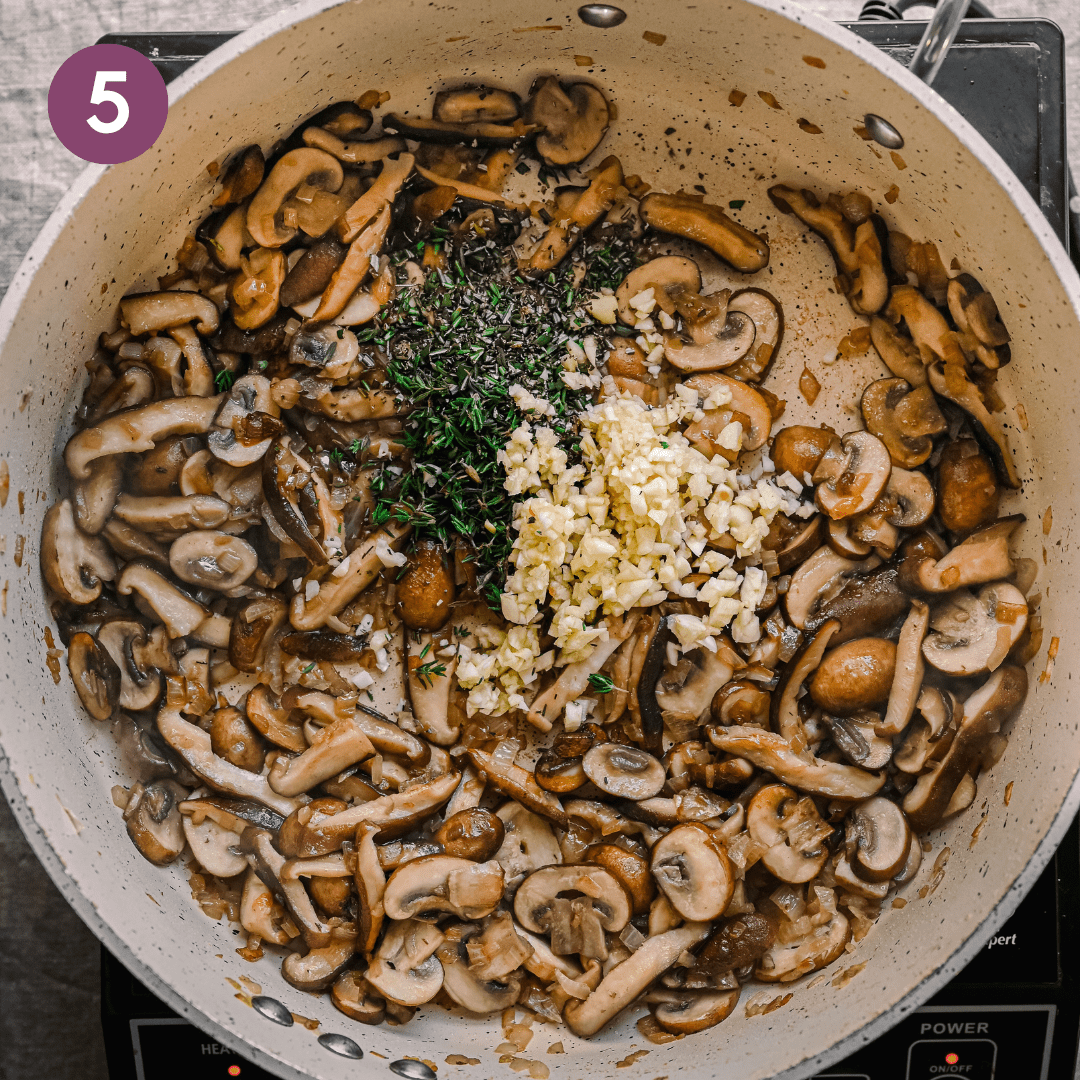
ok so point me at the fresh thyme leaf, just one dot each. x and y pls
(304, 671)
(602, 684)
(431, 670)
(224, 379)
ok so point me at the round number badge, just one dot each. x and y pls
(108, 104)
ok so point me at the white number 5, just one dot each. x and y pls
(99, 96)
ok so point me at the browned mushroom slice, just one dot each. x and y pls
(476, 104)
(574, 906)
(630, 869)
(968, 492)
(305, 165)
(930, 733)
(972, 634)
(528, 843)
(95, 675)
(312, 832)
(519, 784)
(670, 277)
(687, 1012)
(843, 541)
(693, 871)
(911, 498)
(559, 774)
(95, 497)
(713, 343)
(625, 772)
(425, 588)
(858, 250)
(768, 317)
(908, 672)
(798, 449)
(429, 680)
(772, 752)
(784, 712)
(461, 887)
(744, 399)
(855, 675)
(878, 839)
(903, 419)
(851, 474)
(989, 433)
(801, 545)
(572, 118)
(318, 968)
(466, 985)
(685, 692)
(855, 736)
(153, 820)
(253, 627)
(144, 313)
(788, 959)
(792, 831)
(352, 995)
(897, 351)
(334, 749)
(817, 579)
(485, 133)
(242, 177)
(708, 225)
(474, 833)
(73, 563)
(627, 979)
(982, 556)
(741, 701)
(975, 314)
(994, 704)
(406, 970)
(126, 642)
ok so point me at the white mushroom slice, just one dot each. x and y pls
(227, 440)
(318, 968)
(606, 820)
(180, 614)
(528, 843)
(972, 634)
(475, 993)
(878, 839)
(821, 576)
(465, 888)
(625, 981)
(744, 399)
(913, 495)
(773, 753)
(353, 151)
(983, 556)
(212, 560)
(95, 497)
(792, 830)
(686, 691)
(305, 165)
(161, 513)
(199, 377)
(193, 745)
(693, 872)
(260, 913)
(215, 848)
(318, 833)
(469, 792)
(365, 564)
(785, 961)
(352, 995)
(908, 674)
(768, 318)
(573, 680)
(147, 313)
(135, 430)
(851, 474)
(73, 564)
(691, 1011)
(996, 702)
(669, 277)
(140, 683)
(356, 266)
(429, 681)
(381, 193)
(213, 631)
(153, 820)
(930, 733)
(574, 906)
(405, 969)
(851, 881)
(519, 784)
(334, 749)
(624, 772)
(712, 347)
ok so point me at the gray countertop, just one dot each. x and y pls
(49, 993)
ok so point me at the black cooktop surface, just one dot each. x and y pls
(1013, 1013)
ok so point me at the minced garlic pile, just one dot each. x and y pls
(624, 528)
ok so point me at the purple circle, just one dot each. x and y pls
(90, 95)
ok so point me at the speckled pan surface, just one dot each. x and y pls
(117, 230)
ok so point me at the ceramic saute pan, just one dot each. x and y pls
(119, 227)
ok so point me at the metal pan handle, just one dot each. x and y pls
(940, 33)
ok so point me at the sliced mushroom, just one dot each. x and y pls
(484, 133)
(476, 104)
(312, 832)
(784, 711)
(904, 419)
(352, 995)
(305, 165)
(153, 820)
(94, 498)
(798, 449)
(312, 272)
(785, 961)
(855, 675)
(352, 151)
(670, 277)
(334, 749)
(994, 704)
(475, 834)
(626, 980)
(465, 888)
(425, 589)
(708, 225)
(147, 313)
(318, 968)
(260, 913)
(138, 429)
(242, 177)
(686, 692)
(930, 733)
(193, 745)
(519, 784)
(245, 424)
(851, 474)
(746, 400)
(878, 839)
(791, 829)
(572, 119)
(968, 492)
(181, 615)
(975, 313)
(215, 847)
(624, 771)
(95, 675)
(689, 1012)
(693, 871)
(253, 628)
(911, 498)
(381, 193)
(406, 970)
(772, 753)
(956, 387)
(212, 560)
(817, 580)
(477, 993)
(972, 634)
(897, 351)
(714, 343)
(255, 290)
(855, 736)
(354, 268)
(73, 563)
(123, 641)
(528, 843)
(737, 942)
(768, 317)
(982, 556)
(908, 671)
